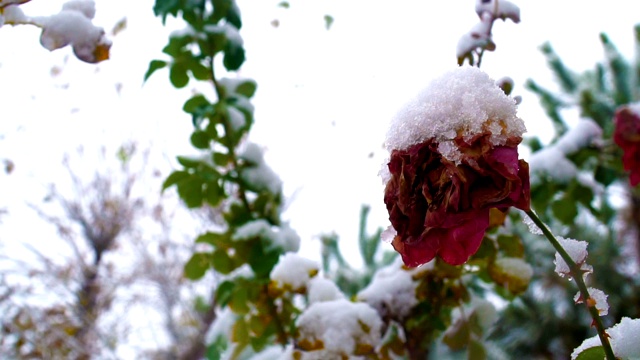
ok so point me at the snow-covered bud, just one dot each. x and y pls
(505, 9)
(479, 37)
(73, 26)
(506, 84)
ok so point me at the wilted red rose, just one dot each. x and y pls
(440, 208)
(627, 136)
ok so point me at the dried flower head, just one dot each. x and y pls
(453, 157)
(627, 136)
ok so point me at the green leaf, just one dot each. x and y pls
(224, 292)
(174, 178)
(605, 176)
(153, 66)
(214, 239)
(582, 194)
(197, 266)
(216, 39)
(565, 77)
(199, 71)
(262, 260)
(190, 191)
(233, 55)
(565, 209)
(487, 250)
(221, 9)
(592, 353)
(368, 253)
(237, 215)
(328, 21)
(240, 332)
(476, 350)
(165, 7)
(221, 159)
(189, 162)
(284, 4)
(620, 71)
(176, 48)
(222, 262)
(178, 75)
(200, 139)
(213, 193)
(457, 335)
(510, 246)
(259, 342)
(239, 301)
(598, 108)
(195, 103)
(233, 16)
(217, 348)
(247, 88)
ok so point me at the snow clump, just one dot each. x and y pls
(577, 250)
(283, 237)
(73, 26)
(506, 9)
(294, 272)
(323, 289)
(257, 174)
(392, 291)
(339, 328)
(597, 298)
(552, 160)
(463, 102)
(624, 338)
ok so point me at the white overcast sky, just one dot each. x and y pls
(324, 97)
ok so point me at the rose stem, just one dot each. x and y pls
(577, 276)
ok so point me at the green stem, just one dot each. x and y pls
(227, 131)
(576, 273)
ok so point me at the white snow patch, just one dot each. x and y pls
(323, 289)
(236, 118)
(552, 160)
(506, 9)
(294, 271)
(599, 297)
(274, 352)
(257, 173)
(85, 7)
(388, 234)
(485, 311)
(284, 236)
(634, 107)
(222, 325)
(465, 102)
(516, 268)
(577, 250)
(392, 291)
(624, 338)
(478, 37)
(13, 14)
(340, 325)
(533, 228)
(73, 26)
